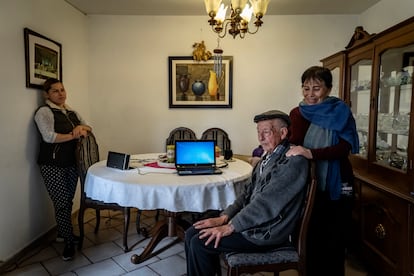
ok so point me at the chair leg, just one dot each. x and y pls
(157, 215)
(141, 230)
(98, 220)
(127, 212)
(81, 215)
(138, 221)
(231, 271)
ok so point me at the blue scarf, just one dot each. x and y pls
(330, 120)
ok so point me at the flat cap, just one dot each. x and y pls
(272, 114)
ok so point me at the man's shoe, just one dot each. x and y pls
(68, 252)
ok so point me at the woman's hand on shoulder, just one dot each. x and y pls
(299, 150)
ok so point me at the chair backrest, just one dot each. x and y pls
(87, 154)
(219, 135)
(306, 215)
(180, 133)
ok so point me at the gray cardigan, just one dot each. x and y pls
(268, 208)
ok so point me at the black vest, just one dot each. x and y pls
(60, 154)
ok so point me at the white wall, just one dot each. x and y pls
(25, 208)
(129, 74)
(385, 14)
(115, 71)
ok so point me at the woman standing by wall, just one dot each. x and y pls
(324, 130)
(60, 127)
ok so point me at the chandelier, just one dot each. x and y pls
(237, 24)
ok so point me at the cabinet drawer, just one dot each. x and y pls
(384, 222)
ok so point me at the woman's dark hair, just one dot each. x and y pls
(319, 73)
(48, 84)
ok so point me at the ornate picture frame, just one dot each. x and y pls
(189, 83)
(43, 58)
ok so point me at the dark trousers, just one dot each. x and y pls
(328, 235)
(61, 186)
(204, 260)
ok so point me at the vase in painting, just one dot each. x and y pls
(183, 83)
(198, 88)
(212, 84)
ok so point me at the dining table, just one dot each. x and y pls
(153, 185)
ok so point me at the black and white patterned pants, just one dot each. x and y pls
(61, 186)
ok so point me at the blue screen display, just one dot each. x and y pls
(195, 152)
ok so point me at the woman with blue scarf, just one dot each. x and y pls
(324, 130)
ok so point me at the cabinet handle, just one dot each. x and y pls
(380, 231)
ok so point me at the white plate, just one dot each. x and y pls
(166, 165)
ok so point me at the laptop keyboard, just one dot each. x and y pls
(199, 171)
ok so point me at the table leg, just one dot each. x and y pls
(169, 227)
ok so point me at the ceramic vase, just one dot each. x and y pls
(198, 88)
(183, 83)
(212, 84)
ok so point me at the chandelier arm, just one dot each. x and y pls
(221, 35)
(257, 29)
(226, 26)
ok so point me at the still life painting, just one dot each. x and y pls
(194, 83)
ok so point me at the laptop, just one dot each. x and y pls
(195, 157)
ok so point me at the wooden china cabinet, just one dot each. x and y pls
(375, 77)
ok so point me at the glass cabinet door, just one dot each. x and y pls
(394, 104)
(360, 87)
(335, 81)
(335, 64)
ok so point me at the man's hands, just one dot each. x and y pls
(211, 222)
(216, 233)
(214, 229)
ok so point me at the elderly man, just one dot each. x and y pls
(265, 214)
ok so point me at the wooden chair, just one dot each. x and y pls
(219, 135)
(280, 259)
(87, 153)
(180, 133)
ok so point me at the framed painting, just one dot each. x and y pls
(195, 84)
(43, 58)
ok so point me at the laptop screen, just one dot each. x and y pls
(195, 153)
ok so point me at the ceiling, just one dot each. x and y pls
(196, 7)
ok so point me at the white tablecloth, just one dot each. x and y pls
(148, 189)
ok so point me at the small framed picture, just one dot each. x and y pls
(43, 58)
(200, 84)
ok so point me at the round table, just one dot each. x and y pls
(150, 188)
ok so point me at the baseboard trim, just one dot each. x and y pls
(44, 239)
(14, 261)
